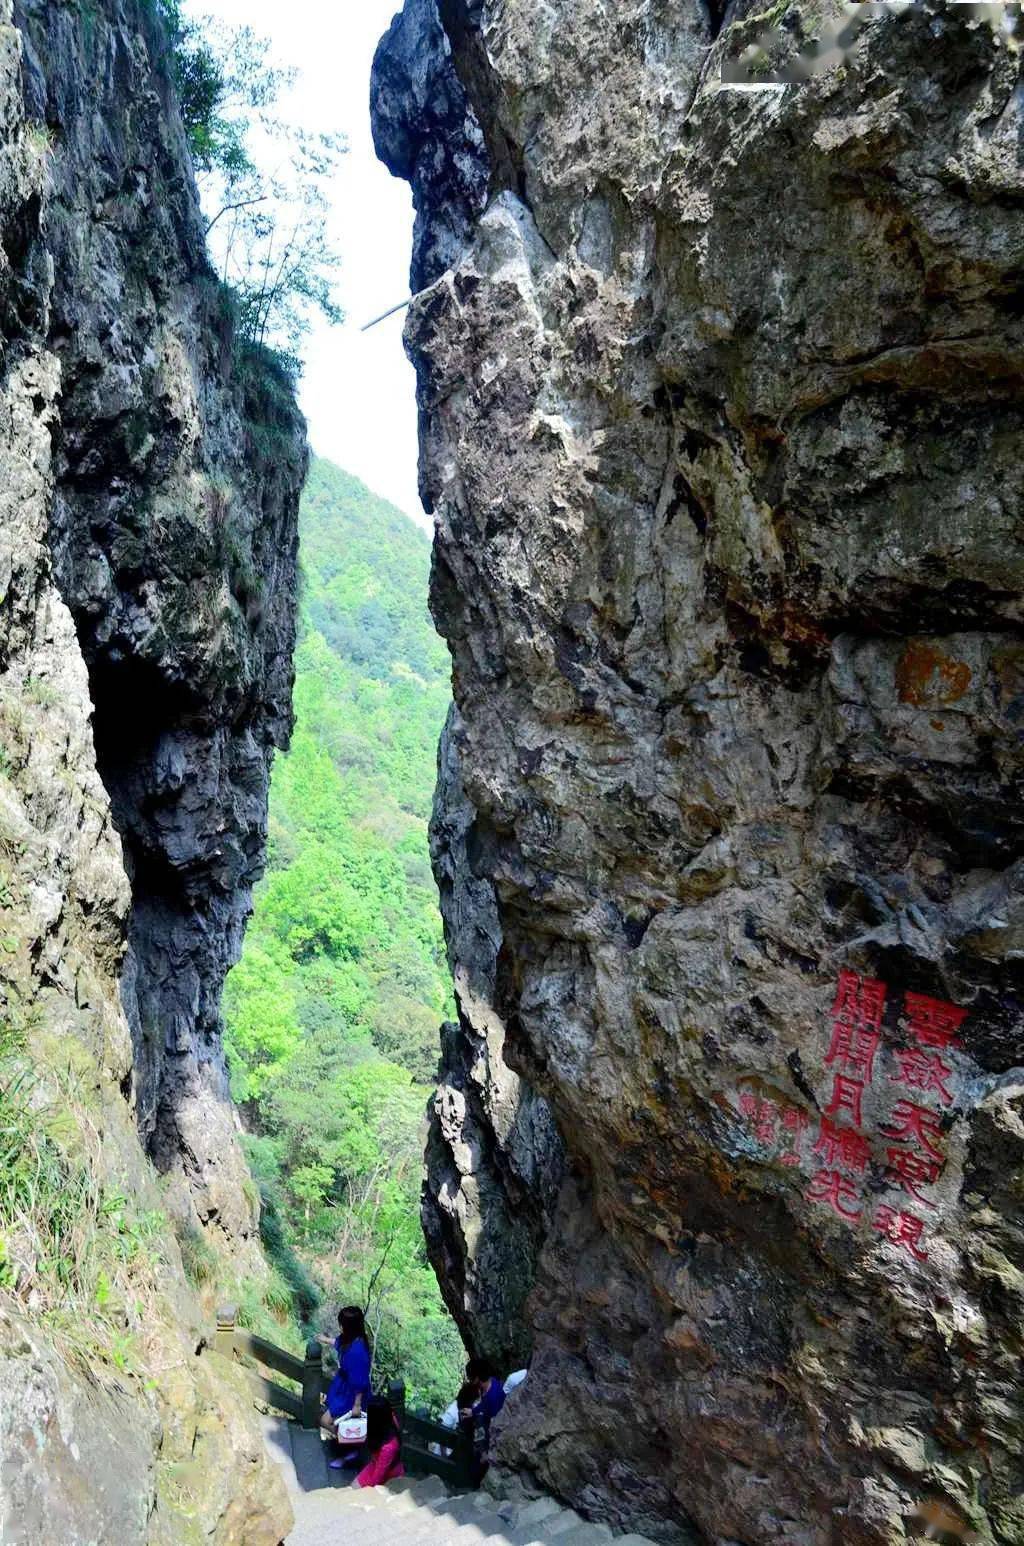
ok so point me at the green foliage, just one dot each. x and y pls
(78, 1254)
(267, 229)
(264, 183)
(198, 1256)
(332, 1013)
(287, 1263)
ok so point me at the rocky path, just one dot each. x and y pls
(329, 1511)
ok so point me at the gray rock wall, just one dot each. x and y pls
(177, 464)
(494, 1157)
(721, 406)
(147, 570)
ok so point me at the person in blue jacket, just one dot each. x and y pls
(480, 1401)
(349, 1391)
(490, 1393)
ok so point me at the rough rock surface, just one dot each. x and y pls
(424, 128)
(147, 558)
(173, 529)
(721, 407)
(494, 1157)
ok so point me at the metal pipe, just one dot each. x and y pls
(385, 314)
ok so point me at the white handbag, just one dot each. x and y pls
(351, 1430)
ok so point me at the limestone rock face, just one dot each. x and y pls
(720, 410)
(173, 530)
(494, 1157)
(424, 128)
(147, 570)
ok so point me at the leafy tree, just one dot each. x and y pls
(310, 1185)
(262, 1005)
(263, 182)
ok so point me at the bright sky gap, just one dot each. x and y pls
(358, 390)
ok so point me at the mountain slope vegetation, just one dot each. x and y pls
(332, 1013)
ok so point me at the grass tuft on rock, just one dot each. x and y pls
(77, 1255)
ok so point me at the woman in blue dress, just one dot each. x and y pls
(349, 1391)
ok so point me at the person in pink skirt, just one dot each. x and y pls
(383, 1445)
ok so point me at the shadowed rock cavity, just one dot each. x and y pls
(720, 402)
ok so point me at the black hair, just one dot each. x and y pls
(380, 1423)
(352, 1325)
(480, 1369)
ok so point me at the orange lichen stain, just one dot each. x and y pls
(938, 724)
(726, 1178)
(685, 1337)
(926, 672)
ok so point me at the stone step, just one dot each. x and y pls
(389, 1526)
(414, 1510)
(416, 1491)
(558, 1528)
(586, 1534)
(323, 1520)
(309, 1457)
(536, 1511)
(486, 1530)
(552, 1528)
(468, 1507)
(278, 1442)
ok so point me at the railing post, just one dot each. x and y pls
(224, 1341)
(464, 1452)
(312, 1382)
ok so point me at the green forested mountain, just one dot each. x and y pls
(332, 1013)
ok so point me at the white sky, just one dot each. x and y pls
(358, 391)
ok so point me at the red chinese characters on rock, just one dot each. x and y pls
(773, 1123)
(924, 1071)
(914, 1155)
(933, 1023)
(794, 1121)
(839, 1192)
(856, 1031)
(859, 1001)
(917, 1125)
(917, 1159)
(856, 1025)
(903, 1229)
(846, 1097)
(843, 1147)
(911, 1170)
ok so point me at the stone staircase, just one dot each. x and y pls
(329, 1511)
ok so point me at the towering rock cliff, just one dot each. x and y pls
(494, 1160)
(152, 473)
(721, 406)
